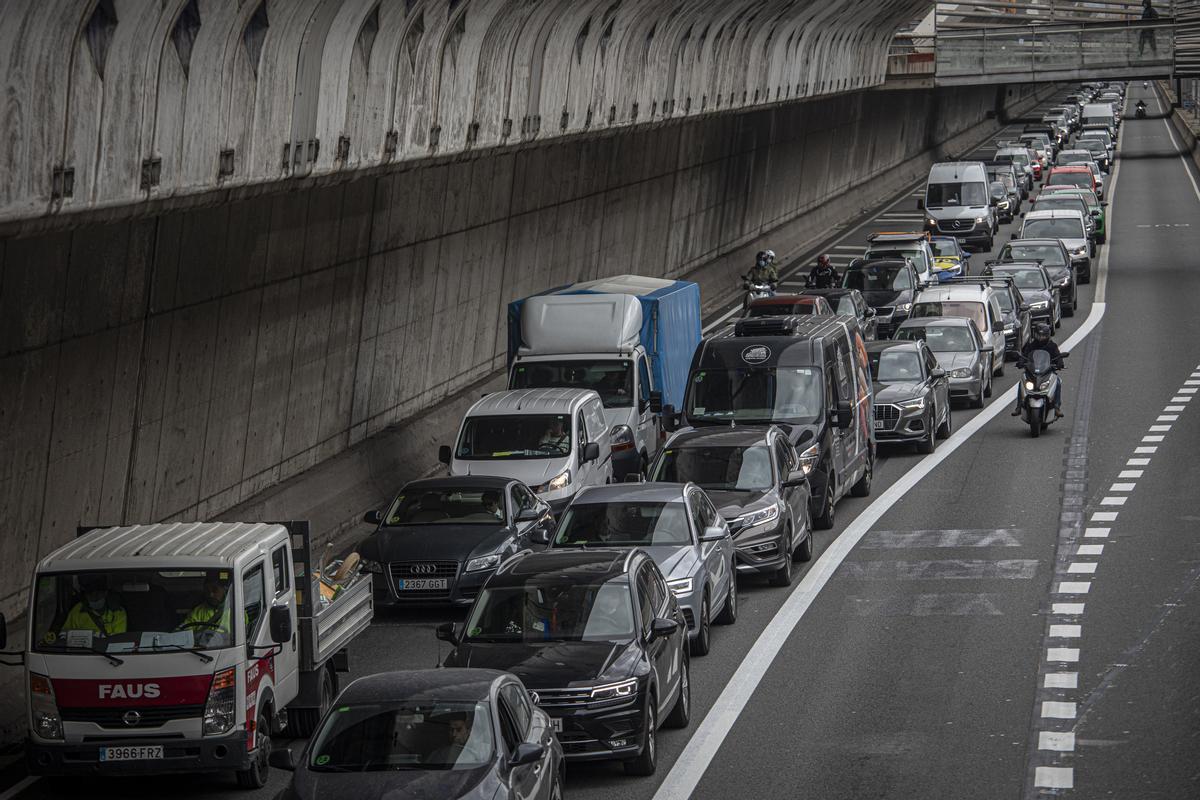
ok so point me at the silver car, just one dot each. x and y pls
(959, 350)
(679, 527)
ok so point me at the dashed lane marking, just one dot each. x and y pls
(1073, 587)
(1096, 533)
(1054, 778)
(1067, 609)
(1061, 742)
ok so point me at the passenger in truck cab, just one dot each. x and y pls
(211, 615)
(98, 609)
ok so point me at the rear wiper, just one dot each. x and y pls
(79, 648)
(205, 657)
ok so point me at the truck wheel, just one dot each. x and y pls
(260, 770)
(303, 722)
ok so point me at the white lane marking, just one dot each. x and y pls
(1189, 390)
(1167, 418)
(1058, 709)
(1068, 609)
(856, 247)
(1180, 399)
(1159, 428)
(1138, 462)
(1058, 742)
(1104, 516)
(1096, 533)
(1061, 680)
(1129, 473)
(1054, 778)
(1090, 550)
(1113, 501)
(1155, 438)
(1072, 587)
(1145, 450)
(1174, 408)
(1191, 383)
(1066, 631)
(1122, 487)
(1082, 568)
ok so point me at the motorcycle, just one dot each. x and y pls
(1038, 388)
(1141, 110)
(756, 290)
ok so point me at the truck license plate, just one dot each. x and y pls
(141, 752)
(421, 583)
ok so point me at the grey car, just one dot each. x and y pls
(754, 476)
(959, 350)
(1036, 286)
(679, 527)
(912, 394)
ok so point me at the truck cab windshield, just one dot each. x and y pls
(135, 611)
(612, 380)
(755, 395)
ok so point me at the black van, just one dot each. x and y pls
(810, 376)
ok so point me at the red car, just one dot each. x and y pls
(1078, 176)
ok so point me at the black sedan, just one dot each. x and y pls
(1034, 282)
(440, 538)
(599, 639)
(912, 394)
(445, 733)
(753, 477)
(850, 303)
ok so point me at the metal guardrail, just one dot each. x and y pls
(1051, 52)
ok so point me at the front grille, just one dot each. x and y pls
(887, 416)
(563, 698)
(883, 312)
(146, 717)
(401, 570)
(956, 225)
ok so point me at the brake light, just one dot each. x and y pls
(221, 708)
(46, 721)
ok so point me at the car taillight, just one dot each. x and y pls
(47, 723)
(622, 438)
(221, 708)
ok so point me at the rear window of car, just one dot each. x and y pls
(1081, 179)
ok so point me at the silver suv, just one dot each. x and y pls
(978, 303)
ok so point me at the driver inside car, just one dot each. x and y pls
(211, 616)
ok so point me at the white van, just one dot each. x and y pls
(555, 441)
(958, 203)
(1101, 114)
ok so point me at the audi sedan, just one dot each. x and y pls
(912, 394)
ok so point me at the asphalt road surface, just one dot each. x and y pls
(1007, 618)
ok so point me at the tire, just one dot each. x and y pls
(991, 242)
(987, 391)
(681, 713)
(977, 402)
(999, 373)
(783, 576)
(947, 427)
(823, 520)
(1035, 428)
(804, 552)
(1085, 277)
(929, 443)
(863, 487)
(1069, 311)
(647, 761)
(259, 773)
(303, 722)
(1102, 239)
(729, 612)
(702, 643)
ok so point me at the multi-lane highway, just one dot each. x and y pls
(1007, 618)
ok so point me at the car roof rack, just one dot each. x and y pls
(768, 326)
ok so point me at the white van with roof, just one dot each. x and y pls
(957, 203)
(555, 441)
(1101, 114)
(977, 302)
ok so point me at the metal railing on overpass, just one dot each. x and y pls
(1033, 53)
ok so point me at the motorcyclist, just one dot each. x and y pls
(1141, 108)
(763, 270)
(824, 275)
(1041, 341)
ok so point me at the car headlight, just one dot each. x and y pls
(961, 373)
(903, 308)
(560, 481)
(913, 405)
(809, 458)
(1040, 305)
(613, 691)
(931, 222)
(980, 220)
(680, 586)
(483, 562)
(1029, 386)
(370, 566)
(1079, 251)
(758, 517)
(1003, 204)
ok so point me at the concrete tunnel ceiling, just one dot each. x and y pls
(115, 104)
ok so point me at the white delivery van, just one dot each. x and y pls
(958, 203)
(182, 647)
(1101, 114)
(555, 441)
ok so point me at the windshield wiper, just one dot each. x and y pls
(205, 657)
(79, 648)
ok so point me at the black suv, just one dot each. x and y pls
(753, 476)
(888, 286)
(598, 639)
(1055, 257)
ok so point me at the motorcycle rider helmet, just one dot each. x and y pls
(823, 261)
(770, 256)
(1041, 333)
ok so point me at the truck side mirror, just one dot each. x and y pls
(844, 414)
(280, 623)
(444, 454)
(670, 420)
(591, 452)
(920, 204)
(656, 405)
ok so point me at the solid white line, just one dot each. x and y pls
(1113, 501)
(1145, 450)
(1090, 550)
(1082, 568)
(1054, 778)
(1069, 609)
(1057, 709)
(1072, 587)
(1058, 742)
(857, 247)
(1066, 631)
(16, 790)
(1096, 533)
(1129, 473)
(721, 319)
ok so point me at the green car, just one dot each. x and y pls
(1094, 205)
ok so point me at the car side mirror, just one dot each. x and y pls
(373, 517)
(1064, 355)
(670, 419)
(591, 452)
(1014, 236)
(998, 326)
(526, 753)
(283, 758)
(937, 374)
(1096, 213)
(662, 627)
(713, 533)
(844, 414)
(445, 632)
(528, 515)
(656, 404)
(280, 623)
(870, 312)
(444, 454)
(796, 479)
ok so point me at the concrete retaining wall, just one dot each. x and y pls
(177, 366)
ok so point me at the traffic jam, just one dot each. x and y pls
(594, 521)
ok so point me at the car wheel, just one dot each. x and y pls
(783, 575)
(701, 643)
(259, 772)
(647, 761)
(823, 520)
(1069, 310)
(804, 552)
(929, 443)
(987, 390)
(863, 487)
(991, 242)
(681, 714)
(729, 611)
(1058, 319)
(999, 372)
(946, 428)
(1084, 277)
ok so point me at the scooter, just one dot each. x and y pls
(1140, 112)
(756, 290)
(1038, 388)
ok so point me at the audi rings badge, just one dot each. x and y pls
(422, 569)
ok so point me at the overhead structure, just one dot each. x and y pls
(120, 104)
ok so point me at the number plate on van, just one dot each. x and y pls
(141, 752)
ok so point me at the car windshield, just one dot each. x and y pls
(1065, 228)
(621, 524)
(969, 310)
(612, 380)
(755, 394)
(1086, 195)
(1081, 179)
(870, 277)
(944, 247)
(724, 468)
(1046, 253)
(1024, 278)
(894, 365)
(1094, 146)
(137, 611)
(390, 736)
(940, 338)
(512, 437)
(553, 606)
(938, 195)
(447, 506)
(779, 309)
